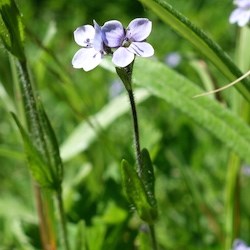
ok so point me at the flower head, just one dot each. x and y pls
(241, 14)
(129, 42)
(90, 38)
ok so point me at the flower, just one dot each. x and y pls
(240, 245)
(90, 38)
(173, 59)
(241, 14)
(129, 42)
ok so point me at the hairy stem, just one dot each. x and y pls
(136, 130)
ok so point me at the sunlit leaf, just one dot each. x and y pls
(200, 40)
(209, 114)
(87, 132)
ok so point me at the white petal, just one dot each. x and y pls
(235, 15)
(141, 49)
(139, 29)
(84, 35)
(122, 57)
(86, 58)
(113, 33)
(244, 19)
(242, 3)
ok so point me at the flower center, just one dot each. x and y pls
(126, 42)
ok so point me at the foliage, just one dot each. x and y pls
(199, 147)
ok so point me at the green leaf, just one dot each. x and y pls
(11, 28)
(87, 131)
(208, 113)
(95, 235)
(147, 177)
(52, 147)
(80, 240)
(136, 194)
(36, 164)
(200, 40)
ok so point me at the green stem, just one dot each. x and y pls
(62, 219)
(153, 238)
(136, 130)
(231, 192)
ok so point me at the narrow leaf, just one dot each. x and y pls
(147, 177)
(200, 40)
(208, 113)
(86, 132)
(36, 164)
(52, 146)
(11, 28)
(135, 193)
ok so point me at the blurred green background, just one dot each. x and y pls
(190, 164)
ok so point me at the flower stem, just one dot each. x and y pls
(136, 130)
(62, 219)
(153, 238)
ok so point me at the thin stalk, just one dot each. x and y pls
(138, 153)
(62, 219)
(136, 130)
(230, 202)
(153, 238)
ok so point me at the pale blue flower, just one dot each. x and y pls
(173, 59)
(241, 14)
(90, 38)
(129, 42)
(240, 245)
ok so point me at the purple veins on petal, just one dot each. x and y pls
(139, 29)
(142, 49)
(113, 33)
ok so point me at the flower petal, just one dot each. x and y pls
(86, 58)
(244, 19)
(98, 41)
(240, 16)
(122, 57)
(139, 29)
(242, 3)
(141, 49)
(84, 35)
(113, 33)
